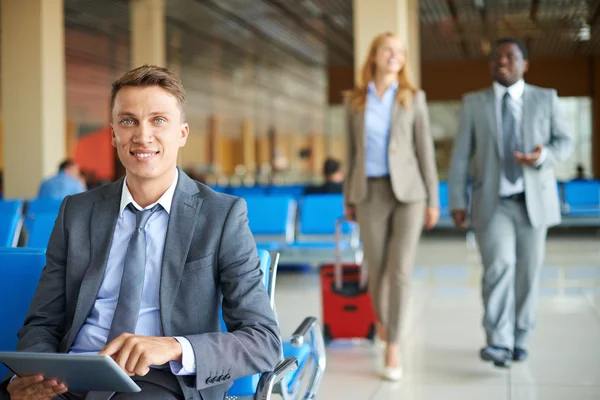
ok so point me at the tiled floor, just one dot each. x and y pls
(443, 337)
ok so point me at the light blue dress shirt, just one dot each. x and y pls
(378, 118)
(60, 186)
(94, 333)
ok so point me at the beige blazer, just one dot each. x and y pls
(411, 155)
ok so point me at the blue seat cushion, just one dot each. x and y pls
(245, 386)
(302, 353)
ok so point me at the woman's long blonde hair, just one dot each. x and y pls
(406, 89)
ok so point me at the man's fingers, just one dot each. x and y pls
(143, 365)
(21, 383)
(132, 360)
(123, 356)
(114, 346)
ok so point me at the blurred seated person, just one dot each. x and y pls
(334, 176)
(67, 182)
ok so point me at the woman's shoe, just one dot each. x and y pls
(393, 374)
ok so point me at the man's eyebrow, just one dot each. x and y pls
(130, 114)
(126, 114)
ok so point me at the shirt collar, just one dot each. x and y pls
(165, 200)
(515, 91)
(371, 87)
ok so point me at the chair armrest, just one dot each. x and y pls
(304, 329)
(310, 327)
(270, 379)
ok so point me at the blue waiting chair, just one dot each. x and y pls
(301, 357)
(21, 269)
(39, 221)
(444, 200)
(296, 191)
(11, 221)
(582, 198)
(247, 191)
(272, 220)
(317, 223)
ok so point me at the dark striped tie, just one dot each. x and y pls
(132, 282)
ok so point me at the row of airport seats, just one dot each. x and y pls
(297, 376)
(36, 217)
(282, 219)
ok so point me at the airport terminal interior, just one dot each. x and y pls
(265, 83)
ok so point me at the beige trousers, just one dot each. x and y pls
(390, 232)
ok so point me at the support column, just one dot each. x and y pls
(216, 144)
(148, 34)
(33, 93)
(595, 118)
(401, 17)
(249, 146)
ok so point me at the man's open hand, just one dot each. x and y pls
(34, 388)
(135, 354)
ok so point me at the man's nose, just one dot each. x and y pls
(143, 134)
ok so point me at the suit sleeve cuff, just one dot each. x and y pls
(187, 366)
(543, 155)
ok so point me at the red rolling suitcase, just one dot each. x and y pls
(347, 309)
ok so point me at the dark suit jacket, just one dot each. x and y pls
(210, 256)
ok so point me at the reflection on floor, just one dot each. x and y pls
(442, 339)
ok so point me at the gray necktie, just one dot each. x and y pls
(132, 282)
(512, 169)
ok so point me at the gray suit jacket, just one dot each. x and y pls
(478, 140)
(411, 155)
(210, 256)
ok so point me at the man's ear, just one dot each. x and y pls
(113, 138)
(183, 134)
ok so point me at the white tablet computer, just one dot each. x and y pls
(86, 372)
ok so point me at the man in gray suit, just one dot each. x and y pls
(514, 134)
(139, 269)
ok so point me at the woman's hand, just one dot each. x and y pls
(432, 216)
(350, 213)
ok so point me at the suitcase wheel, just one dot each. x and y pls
(371, 334)
(327, 334)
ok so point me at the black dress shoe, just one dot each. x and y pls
(519, 354)
(500, 356)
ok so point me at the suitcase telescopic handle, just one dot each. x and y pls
(337, 270)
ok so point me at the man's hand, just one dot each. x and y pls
(531, 158)
(460, 218)
(35, 388)
(135, 354)
(432, 216)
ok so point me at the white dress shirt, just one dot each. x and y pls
(515, 91)
(94, 333)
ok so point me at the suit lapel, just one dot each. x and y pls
(183, 220)
(102, 227)
(359, 124)
(528, 102)
(490, 114)
(397, 112)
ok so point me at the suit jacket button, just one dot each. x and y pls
(227, 376)
(208, 381)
